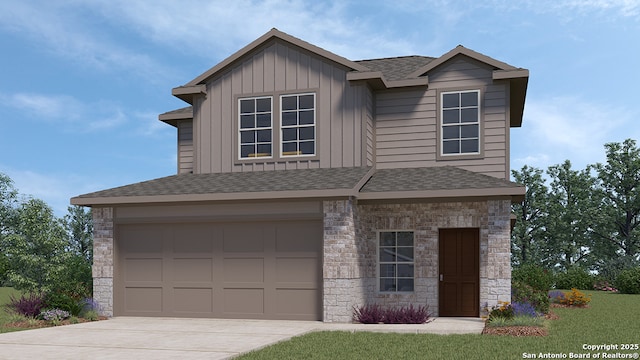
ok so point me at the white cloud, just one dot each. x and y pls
(83, 117)
(216, 29)
(560, 128)
(62, 28)
(72, 113)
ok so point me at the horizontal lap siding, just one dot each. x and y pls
(275, 69)
(405, 128)
(185, 147)
(406, 121)
(370, 128)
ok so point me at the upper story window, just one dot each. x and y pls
(395, 261)
(460, 121)
(298, 115)
(256, 127)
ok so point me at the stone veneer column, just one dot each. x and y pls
(341, 268)
(103, 258)
(497, 274)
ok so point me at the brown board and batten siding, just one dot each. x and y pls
(407, 123)
(185, 146)
(274, 69)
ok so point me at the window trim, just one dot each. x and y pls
(439, 130)
(282, 127)
(379, 263)
(239, 128)
(276, 128)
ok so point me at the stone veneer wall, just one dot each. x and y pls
(342, 263)
(350, 251)
(103, 258)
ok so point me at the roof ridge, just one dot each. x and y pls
(397, 57)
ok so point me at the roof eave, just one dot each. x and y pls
(515, 193)
(173, 118)
(377, 81)
(185, 93)
(519, 80)
(270, 195)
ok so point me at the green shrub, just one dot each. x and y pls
(63, 302)
(535, 276)
(628, 281)
(518, 320)
(575, 277)
(524, 293)
(91, 315)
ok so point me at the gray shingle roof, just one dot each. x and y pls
(240, 182)
(304, 183)
(396, 68)
(184, 110)
(432, 178)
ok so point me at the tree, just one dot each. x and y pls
(569, 210)
(529, 232)
(79, 225)
(35, 250)
(8, 199)
(617, 224)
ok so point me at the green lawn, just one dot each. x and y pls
(5, 293)
(610, 319)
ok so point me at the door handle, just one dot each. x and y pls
(441, 277)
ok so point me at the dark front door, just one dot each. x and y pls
(459, 272)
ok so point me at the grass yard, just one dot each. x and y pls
(5, 293)
(610, 319)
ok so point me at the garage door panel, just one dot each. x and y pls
(244, 270)
(143, 269)
(143, 239)
(294, 237)
(188, 269)
(242, 238)
(143, 299)
(193, 300)
(296, 270)
(297, 303)
(192, 239)
(243, 301)
(265, 270)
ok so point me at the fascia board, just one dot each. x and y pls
(428, 194)
(510, 74)
(273, 195)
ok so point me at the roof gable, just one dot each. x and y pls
(274, 34)
(461, 50)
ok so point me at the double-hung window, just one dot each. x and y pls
(460, 121)
(256, 127)
(298, 125)
(395, 261)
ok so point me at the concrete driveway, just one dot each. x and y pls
(170, 338)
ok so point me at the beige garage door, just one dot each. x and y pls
(257, 270)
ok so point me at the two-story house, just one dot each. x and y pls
(309, 184)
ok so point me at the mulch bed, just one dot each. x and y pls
(36, 324)
(515, 331)
(520, 330)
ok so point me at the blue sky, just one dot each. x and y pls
(82, 82)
